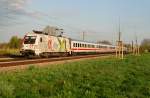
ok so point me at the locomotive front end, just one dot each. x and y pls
(29, 45)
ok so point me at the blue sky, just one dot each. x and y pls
(98, 18)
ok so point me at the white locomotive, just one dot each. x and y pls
(39, 44)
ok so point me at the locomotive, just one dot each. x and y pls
(45, 45)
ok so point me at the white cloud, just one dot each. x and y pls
(14, 10)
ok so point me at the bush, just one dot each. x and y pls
(15, 42)
(145, 45)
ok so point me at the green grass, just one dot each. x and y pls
(99, 78)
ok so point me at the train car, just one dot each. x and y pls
(88, 47)
(44, 45)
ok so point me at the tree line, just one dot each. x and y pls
(16, 43)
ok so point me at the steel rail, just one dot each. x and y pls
(35, 61)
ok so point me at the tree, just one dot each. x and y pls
(15, 42)
(145, 45)
(104, 42)
(3, 45)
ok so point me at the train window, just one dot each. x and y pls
(85, 45)
(78, 45)
(81, 45)
(92, 46)
(41, 39)
(29, 39)
(74, 45)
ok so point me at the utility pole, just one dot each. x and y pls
(132, 47)
(83, 36)
(119, 33)
(119, 45)
(136, 47)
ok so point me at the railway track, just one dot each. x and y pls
(35, 61)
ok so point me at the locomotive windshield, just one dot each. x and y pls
(29, 39)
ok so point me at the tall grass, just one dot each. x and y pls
(7, 52)
(99, 78)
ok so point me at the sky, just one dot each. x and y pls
(99, 19)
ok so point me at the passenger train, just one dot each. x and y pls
(44, 45)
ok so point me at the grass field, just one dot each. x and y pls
(98, 78)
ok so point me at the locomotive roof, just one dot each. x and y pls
(33, 33)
